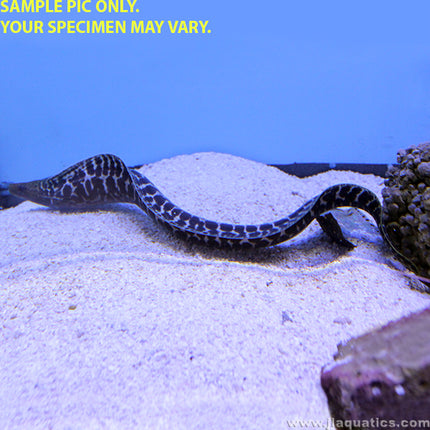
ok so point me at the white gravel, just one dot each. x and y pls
(110, 322)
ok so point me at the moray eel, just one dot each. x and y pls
(106, 179)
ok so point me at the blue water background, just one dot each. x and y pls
(275, 81)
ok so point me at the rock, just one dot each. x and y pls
(406, 209)
(382, 379)
(424, 169)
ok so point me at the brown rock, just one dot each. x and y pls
(406, 208)
(382, 379)
(424, 169)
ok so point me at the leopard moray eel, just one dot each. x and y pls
(106, 179)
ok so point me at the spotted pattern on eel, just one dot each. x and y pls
(106, 179)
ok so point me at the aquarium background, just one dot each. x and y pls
(277, 82)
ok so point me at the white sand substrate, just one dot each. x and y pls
(110, 322)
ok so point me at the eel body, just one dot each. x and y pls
(106, 179)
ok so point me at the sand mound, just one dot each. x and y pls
(108, 321)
